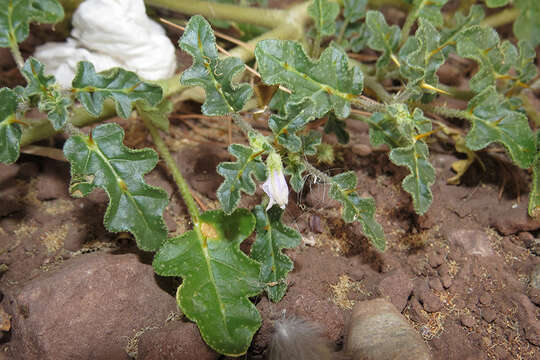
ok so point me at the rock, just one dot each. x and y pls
(427, 298)
(10, 204)
(527, 319)
(94, 304)
(436, 284)
(534, 278)
(416, 311)
(397, 287)
(8, 171)
(361, 149)
(28, 170)
(534, 295)
(473, 242)
(446, 281)
(318, 197)
(176, 340)
(435, 260)
(514, 220)
(51, 186)
(489, 315)
(449, 74)
(315, 224)
(379, 332)
(485, 298)
(467, 320)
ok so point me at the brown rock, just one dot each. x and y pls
(446, 281)
(515, 220)
(427, 298)
(361, 149)
(7, 171)
(436, 284)
(416, 311)
(379, 332)
(489, 315)
(397, 287)
(176, 340)
(467, 320)
(94, 304)
(473, 242)
(51, 186)
(435, 260)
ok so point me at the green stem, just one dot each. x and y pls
(316, 48)
(501, 18)
(372, 83)
(368, 104)
(342, 31)
(318, 173)
(409, 22)
(14, 47)
(447, 112)
(457, 93)
(269, 18)
(242, 124)
(171, 165)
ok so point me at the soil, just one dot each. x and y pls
(461, 274)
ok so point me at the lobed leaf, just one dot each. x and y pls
(420, 57)
(272, 237)
(354, 10)
(218, 279)
(494, 121)
(525, 67)
(10, 131)
(330, 82)
(51, 100)
(324, 14)
(429, 10)
(212, 73)
(16, 15)
(383, 37)
(422, 176)
(355, 208)
(285, 127)
(123, 86)
(338, 127)
(239, 176)
(294, 166)
(102, 160)
(449, 35)
(310, 142)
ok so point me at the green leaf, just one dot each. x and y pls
(420, 57)
(272, 237)
(294, 166)
(383, 37)
(422, 176)
(354, 10)
(525, 67)
(239, 176)
(343, 189)
(158, 115)
(527, 25)
(494, 121)
(10, 131)
(329, 82)
(16, 15)
(534, 196)
(429, 10)
(51, 100)
(102, 160)
(449, 35)
(496, 3)
(324, 14)
(338, 127)
(310, 141)
(123, 86)
(483, 46)
(285, 127)
(218, 279)
(212, 73)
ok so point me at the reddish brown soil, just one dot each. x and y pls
(469, 259)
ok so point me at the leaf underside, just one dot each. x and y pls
(218, 279)
(104, 161)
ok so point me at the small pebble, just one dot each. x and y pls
(436, 284)
(489, 315)
(467, 320)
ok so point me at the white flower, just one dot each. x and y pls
(275, 185)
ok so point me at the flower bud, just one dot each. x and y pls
(275, 185)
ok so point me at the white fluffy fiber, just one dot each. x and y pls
(297, 339)
(111, 33)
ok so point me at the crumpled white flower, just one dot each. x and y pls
(275, 185)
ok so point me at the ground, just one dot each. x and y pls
(463, 274)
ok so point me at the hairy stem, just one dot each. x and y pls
(270, 18)
(447, 112)
(14, 48)
(342, 31)
(171, 165)
(373, 84)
